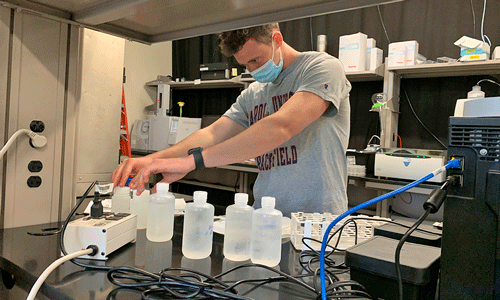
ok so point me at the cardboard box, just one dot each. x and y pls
(403, 53)
(374, 59)
(371, 43)
(470, 46)
(352, 52)
(496, 53)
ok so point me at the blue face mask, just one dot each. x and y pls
(268, 72)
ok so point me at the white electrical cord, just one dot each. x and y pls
(55, 264)
(485, 38)
(37, 141)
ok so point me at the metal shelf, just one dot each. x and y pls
(377, 75)
(488, 67)
(205, 84)
(209, 185)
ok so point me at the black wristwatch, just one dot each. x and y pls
(198, 158)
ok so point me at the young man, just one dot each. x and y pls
(294, 121)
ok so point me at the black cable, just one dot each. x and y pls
(289, 277)
(400, 246)
(172, 285)
(418, 119)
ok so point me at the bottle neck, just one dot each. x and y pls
(267, 208)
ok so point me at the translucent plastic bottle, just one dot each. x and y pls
(139, 207)
(475, 93)
(161, 208)
(237, 233)
(120, 202)
(198, 227)
(266, 234)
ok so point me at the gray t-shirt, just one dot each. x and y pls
(308, 173)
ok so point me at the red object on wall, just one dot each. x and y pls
(124, 133)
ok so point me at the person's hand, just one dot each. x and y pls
(172, 170)
(127, 167)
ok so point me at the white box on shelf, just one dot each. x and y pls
(411, 53)
(371, 43)
(352, 52)
(397, 53)
(374, 59)
(403, 53)
(496, 53)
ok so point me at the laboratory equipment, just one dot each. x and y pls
(266, 234)
(371, 263)
(161, 208)
(139, 207)
(471, 237)
(198, 227)
(313, 225)
(219, 70)
(165, 131)
(139, 137)
(411, 164)
(120, 202)
(238, 228)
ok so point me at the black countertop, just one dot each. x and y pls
(26, 257)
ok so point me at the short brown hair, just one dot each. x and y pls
(232, 41)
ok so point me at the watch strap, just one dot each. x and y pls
(198, 158)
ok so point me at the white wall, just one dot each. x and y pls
(98, 132)
(143, 63)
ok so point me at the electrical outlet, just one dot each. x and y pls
(37, 126)
(34, 181)
(35, 166)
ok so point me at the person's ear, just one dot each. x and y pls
(278, 39)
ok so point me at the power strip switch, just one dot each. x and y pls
(108, 233)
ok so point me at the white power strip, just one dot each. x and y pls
(108, 233)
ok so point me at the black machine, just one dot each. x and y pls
(470, 257)
(222, 70)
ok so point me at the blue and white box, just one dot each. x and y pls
(403, 54)
(470, 46)
(352, 52)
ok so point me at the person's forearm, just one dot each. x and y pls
(259, 138)
(200, 138)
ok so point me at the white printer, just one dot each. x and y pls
(165, 131)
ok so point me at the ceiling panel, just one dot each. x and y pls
(160, 20)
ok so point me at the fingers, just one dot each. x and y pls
(127, 169)
(141, 178)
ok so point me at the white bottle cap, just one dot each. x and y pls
(145, 193)
(162, 186)
(200, 196)
(240, 199)
(268, 201)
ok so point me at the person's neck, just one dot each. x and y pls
(289, 55)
